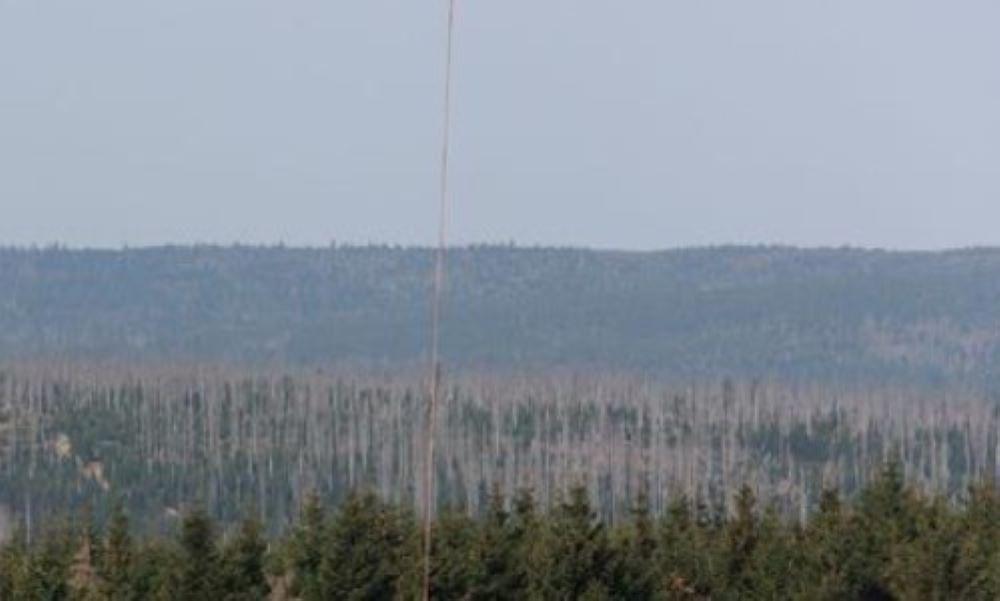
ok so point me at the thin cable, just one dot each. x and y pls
(439, 277)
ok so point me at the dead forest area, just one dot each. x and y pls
(160, 439)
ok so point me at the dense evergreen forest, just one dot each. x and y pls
(891, 543)
(737, 311)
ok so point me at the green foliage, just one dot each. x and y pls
(454, 566)
(48, 569)
(199, 572)
(827, 552)
(14, 567)
(117, 569)
(634, 552)
(157, 571)
(579, 559)
(243, 564)
(527, 543)
(364, 559)
(892, 543)
(687, 553)
(977, 571)
(306, 549)
(498, 554)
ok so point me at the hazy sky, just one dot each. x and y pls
(634, 124)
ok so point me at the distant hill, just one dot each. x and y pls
(839, 313)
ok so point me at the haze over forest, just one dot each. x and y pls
(751, 350)
(698, 313)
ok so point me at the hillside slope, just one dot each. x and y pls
(713, 311)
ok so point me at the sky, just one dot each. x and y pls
(641, 124)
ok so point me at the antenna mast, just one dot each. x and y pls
(439, 280)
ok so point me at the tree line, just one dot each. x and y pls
(891, 542)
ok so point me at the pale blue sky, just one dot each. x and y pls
(635, 124)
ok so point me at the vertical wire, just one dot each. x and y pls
(439, 280)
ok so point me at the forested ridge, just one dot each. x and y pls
(248, 423)
(891, 543)
(710, 312)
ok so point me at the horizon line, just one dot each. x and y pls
(512, 245)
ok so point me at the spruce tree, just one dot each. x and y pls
(306, 548)
(530, 560)
(923, 565)
(500, 575)
(48, 574)
(826, 550)
(578, 549)
(115, 569)
(157, 570)
(775, 557)
(685, 556)
(365, 551)
(199, 573)
(454, 563)
(635, 548)
(881, 522)
(978, 566)
(243, 559)
(14, 566)
(742, 538)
